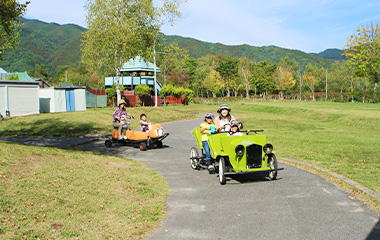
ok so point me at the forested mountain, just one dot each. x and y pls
(198, 49)
(332, 54)
(56, 45)
(50, 44)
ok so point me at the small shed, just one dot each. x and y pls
(19, 98)
(62, 99)
(96, 98)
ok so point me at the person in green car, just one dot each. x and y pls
(223, 121)
(206, 128)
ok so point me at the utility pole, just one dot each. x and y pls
(155, 80)
(326, 84)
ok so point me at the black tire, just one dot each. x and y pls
(108, 143)
(143, 146)
(194, 158)
(159, 144)
(221, 170)
(272, 162)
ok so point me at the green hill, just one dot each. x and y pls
(50, 44)
(198, 49)
(332, 54)
(55, 45)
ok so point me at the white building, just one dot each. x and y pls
(19, 98)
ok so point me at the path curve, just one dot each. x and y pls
(299, 205)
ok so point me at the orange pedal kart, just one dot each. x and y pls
(146, 140)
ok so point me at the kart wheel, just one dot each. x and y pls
(159, 144)
(108, 143)
(194, 156)
(272, 161)
(143, 146)
(222, 167)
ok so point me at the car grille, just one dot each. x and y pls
(254, 156)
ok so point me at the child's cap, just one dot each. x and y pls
(234, 123)
(209, 115)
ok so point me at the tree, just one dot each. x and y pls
(39, 72)
(168, 61)
(179, 79)
(312, 77)
(10, 10)
(120, 30)
(213, 82)
(204, 65)
(284, 75)
(111, 93)
(245, 66)
(363, 52)
(284, 79)
(364, 86)
(262, 77)
(228, 70)
(340, 77)
(142, 91)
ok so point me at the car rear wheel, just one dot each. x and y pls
(194, 158)
(272, 161)
(222, 167)
(143, 146)
(108, 143)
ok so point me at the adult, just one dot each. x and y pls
(118, 116)
(223, 121)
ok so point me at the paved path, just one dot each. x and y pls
(299, 205)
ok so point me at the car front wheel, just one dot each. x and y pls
(222, 167)
(272, 161)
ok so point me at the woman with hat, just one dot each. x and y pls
(223, 121)
(120, 113)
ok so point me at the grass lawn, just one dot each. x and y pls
(67, 194)
(52, 193)
(81, 124)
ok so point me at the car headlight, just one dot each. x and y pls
(268, 148)
(239, 150)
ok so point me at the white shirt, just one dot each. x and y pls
(237, 134)
(226, 124)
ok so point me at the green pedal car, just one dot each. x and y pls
(236, 154)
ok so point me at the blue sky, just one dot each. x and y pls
(309, 26)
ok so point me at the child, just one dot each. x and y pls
(235, 129)
(123, 121)
(144, 124)
(206, 129)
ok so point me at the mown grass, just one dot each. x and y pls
(52, 193)
(82, 124)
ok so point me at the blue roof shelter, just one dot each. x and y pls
(134, 72)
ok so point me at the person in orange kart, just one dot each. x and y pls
(118, 116)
